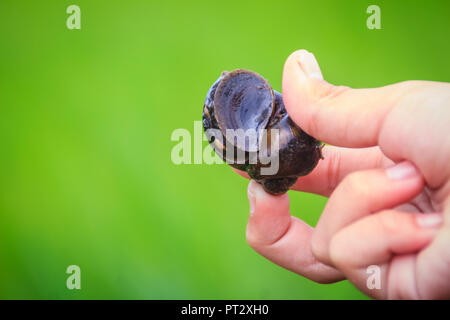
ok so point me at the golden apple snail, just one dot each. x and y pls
(243, 101)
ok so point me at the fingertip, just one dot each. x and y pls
(430, 220)
(302, 85)
(407, 172)
(269, 215)
(300, 67)
(293, 75)
(307, 62)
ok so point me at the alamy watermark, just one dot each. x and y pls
(74, 20)
(74, 280)
(374, 20)
(261, 146)
(374, 278)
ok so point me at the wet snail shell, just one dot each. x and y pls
(243, 101)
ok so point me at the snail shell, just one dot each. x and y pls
(242, 101)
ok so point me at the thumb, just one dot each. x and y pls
(336, 115)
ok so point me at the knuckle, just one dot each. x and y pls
(333, 170)
(355, 183)
(338, 250)
(319, 249)
(391, 221)
(388, 221)
(325, 93)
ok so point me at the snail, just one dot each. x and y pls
(246, 123)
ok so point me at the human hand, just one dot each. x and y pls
(390, 159)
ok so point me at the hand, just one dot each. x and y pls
(390, 160)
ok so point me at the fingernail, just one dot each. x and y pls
(429, 220)
(251, 197)
(402, 171)
(309, 64)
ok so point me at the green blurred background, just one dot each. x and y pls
(86, 176)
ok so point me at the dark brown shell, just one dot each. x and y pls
(242, 99)
(245, 101)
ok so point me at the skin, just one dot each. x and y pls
(387, 163)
